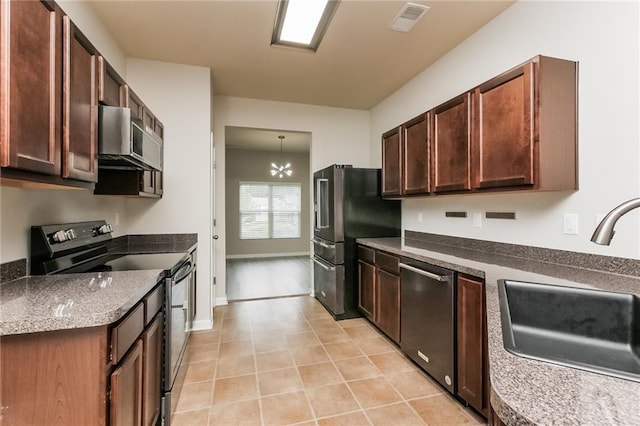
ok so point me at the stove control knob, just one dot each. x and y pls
(71, 234)
(60, 236)
(104, 229)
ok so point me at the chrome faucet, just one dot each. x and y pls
(604, 232)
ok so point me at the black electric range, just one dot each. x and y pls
(85, 247)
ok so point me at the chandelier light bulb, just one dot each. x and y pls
(281, 170)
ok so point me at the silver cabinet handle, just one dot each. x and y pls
(423, 272)
(321, 244)
(323, 266)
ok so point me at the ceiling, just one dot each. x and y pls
(251, 139)
(358, 64)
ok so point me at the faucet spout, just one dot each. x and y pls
(604, 231)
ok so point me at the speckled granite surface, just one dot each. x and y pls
(13, 270)
(525, 391)
(55, 302)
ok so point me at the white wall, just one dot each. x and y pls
(338, 135)
(180, 96)
(254, 166)
(83, 17)
(604, 38)
(22, 208)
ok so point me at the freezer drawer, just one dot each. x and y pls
(328, 282)
(331, 252)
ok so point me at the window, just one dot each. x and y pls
(269, 210)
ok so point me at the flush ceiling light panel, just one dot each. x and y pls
(302, 23)
(408, 16)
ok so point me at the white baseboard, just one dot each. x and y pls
(202, 325)
(221, 301)
(253, 256)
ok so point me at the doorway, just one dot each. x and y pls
(268, 213)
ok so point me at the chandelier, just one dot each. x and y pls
(281, 170)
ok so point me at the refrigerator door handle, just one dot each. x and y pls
(320, 203)
(322, 244)
(323, 266)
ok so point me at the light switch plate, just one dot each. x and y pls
(570, 224)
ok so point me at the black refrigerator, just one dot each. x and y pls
(347, 205)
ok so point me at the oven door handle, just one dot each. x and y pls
(183, 272)
(323, 266)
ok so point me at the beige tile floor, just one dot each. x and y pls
(286, 361)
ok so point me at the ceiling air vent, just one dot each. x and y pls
(408, 16)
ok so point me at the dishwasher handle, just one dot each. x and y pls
(431, 275)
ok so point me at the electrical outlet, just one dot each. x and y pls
(477, 220)
(570, 224)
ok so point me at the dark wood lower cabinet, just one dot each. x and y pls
(126, 390)
(152, 363)
(366, 289)
(71, 377)
(379, 290)
(473, 373)
(56, 377)
(388, 294)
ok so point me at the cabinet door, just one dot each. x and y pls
(158, 128)
(126, 390)
(30, 83)
(152, 379)
(111, 87)
(472, 352)
(134, 103)
(388, 303)
(148, 119)
(147, 182)
(504, 141)
(451, 141)
(391, 163)
(158, 182)
(79, 142)
(366, 289)
(415, 155)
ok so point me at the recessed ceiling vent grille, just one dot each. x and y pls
(408, 16)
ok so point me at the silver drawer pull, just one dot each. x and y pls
(325, 267)
(422, 272)
(325, 245)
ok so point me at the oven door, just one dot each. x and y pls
(328, 283)
(178, 321)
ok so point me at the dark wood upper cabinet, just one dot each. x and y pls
(524, 130)
(504, 137)
(415, 155)
(451, 141)
(472, 362)
(391, 163)
(80, 106)
(111, 87)
(134, 103)
(517, 131)
(30, 83)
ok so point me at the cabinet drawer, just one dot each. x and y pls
(126, 332)
(152, 304)
(367, 254)
(388, 262)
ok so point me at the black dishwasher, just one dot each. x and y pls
(427, 332)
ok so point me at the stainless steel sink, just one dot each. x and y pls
(592, 330)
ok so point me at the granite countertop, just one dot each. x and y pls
(39, 303)
(54, 302)
(525, 391)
